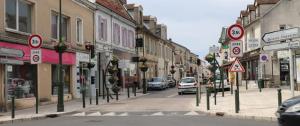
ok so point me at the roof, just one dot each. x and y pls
(251, 8)
(258, 2)
(244, 13)
(116, 7)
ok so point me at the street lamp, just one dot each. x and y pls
(172, 71)
(144, 68)
(60, 48)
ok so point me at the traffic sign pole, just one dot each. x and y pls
(292, 82)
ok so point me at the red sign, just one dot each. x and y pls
(235, 32)
(35, 41)
(236, 67)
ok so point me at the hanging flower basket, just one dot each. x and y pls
(144, 67)
(172, 71)
(115, 88)
(209, 58)
(114, 61)
(143, 59)
(112, 80)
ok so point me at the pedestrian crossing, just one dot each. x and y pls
(120, 114)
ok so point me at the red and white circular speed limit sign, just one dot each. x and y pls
(35, 41)
(235, 32)
(236, 50)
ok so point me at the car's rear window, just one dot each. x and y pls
(156, 80)
(187, 80)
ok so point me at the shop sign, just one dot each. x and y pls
(11, 52)
(253, 43)
(36, 56)
(283, 54)
(9, 68)
(281, 35)
(11, 61)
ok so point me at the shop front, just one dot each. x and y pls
(25, 80)
(250, 62)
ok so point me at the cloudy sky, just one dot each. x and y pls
(196, 24)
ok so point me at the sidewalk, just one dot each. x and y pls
(70, 107)
(253, 104)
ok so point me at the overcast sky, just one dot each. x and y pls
(196, 24)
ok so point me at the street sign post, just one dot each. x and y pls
(236, 67)
(35, 41)
(282, 46)
(11, 52)
(11, 61)
(281, 35)
(235, 32)
(35, 56)
(236, 49)
(263, 58)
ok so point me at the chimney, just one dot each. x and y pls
(123, 2)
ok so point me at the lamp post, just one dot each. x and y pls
(60, 48)
(144, 68)
(172, 71)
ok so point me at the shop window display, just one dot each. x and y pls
(66, 77)
(22, 80)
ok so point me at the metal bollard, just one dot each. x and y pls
(107, 95)
(207, 99)
(197, 96)
(231, 88)
(134, 89)
(128, 91)
(279, 97)
(117, 96)
(237, 108)
(83, 98)
(13, 107)
(97, 96)
(246, 84)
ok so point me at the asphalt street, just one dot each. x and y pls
(159, 108)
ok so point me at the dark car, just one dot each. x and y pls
(171, 82)
(288, 113)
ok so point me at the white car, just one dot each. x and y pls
(157, 83)
(187, 84)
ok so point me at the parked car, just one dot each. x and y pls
(288, 113)
(171, 82)
(187, 85)
(157, 83)
(219, 85)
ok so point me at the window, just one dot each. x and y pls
(116, 34)
(55, 26)
(22, 80)
(18, 15)
(131, 43)
(102, 28)
(79, 35)
(66, 79)
(124, 37)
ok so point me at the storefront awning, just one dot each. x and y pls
(251, 55)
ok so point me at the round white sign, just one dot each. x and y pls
(35, 41)
(235, 32)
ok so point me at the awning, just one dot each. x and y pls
(251, 55)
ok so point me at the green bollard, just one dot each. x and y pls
(97, 95)
(207, 99)
(83, 98)
(236, 102)
(279, 97)
(117, 96)
(128, 92)
(107, 95)
(197, 96)
(13, 107)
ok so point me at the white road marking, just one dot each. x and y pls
(173, 95)
(110, 114)
(124, 114)
(192, 113)
(79, 114)
(158, 114)
(95, 114)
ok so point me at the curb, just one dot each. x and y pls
(246, 117)
(55, 115)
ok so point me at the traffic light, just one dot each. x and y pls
(92, 51)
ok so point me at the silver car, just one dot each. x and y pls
(187, 84)
(157, 83)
